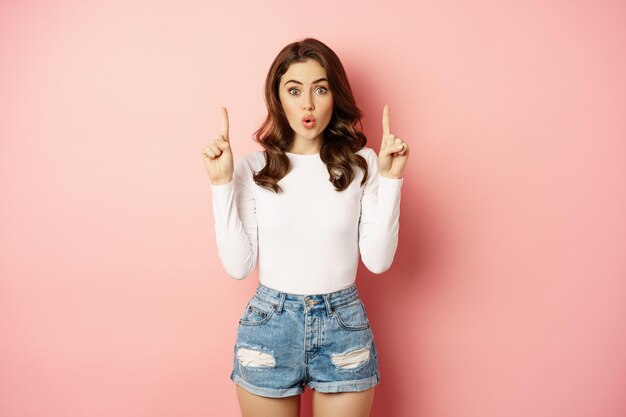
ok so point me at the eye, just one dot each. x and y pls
(322, 88)
(292, 89)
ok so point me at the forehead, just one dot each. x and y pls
(302, 71)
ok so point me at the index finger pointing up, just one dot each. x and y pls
(224, 123)
(386, 119)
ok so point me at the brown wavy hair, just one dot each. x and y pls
(341, 138)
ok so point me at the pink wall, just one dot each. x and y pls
(507, 294)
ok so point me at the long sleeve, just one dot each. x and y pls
(379, 223)
(234, 212)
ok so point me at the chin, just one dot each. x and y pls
(310, 134)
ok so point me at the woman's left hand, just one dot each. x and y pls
(393, 151)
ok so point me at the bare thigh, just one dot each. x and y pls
(344, 404)
(253, 405)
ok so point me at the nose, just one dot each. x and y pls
(308, 102)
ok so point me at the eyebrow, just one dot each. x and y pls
(298, 82)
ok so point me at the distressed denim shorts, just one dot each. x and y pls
(288, 341)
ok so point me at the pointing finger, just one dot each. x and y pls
(224, 123)
(386, 119)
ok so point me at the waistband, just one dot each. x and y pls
(328, 301)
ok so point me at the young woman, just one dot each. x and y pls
(306, 206)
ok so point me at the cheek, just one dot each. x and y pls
(288, 107)
(329, 109)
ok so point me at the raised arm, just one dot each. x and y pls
(233, 204)
(379, 223)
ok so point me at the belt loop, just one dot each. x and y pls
(281, 303)
(329, 307)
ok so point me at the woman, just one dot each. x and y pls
(305, 207)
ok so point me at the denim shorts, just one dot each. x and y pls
(288, 341)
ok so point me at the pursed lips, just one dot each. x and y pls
(308, 121)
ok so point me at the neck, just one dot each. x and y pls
(306, 146)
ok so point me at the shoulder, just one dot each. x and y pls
(366, 152)
(252, 161)
(372, 162)
(369, 154)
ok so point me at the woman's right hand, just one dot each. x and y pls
(218, 157)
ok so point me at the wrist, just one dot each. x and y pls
(221, 181)
(393, 177)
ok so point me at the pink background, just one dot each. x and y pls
(507, 294)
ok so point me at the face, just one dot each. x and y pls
(306, 99)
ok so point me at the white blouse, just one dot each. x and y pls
(307, 239)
